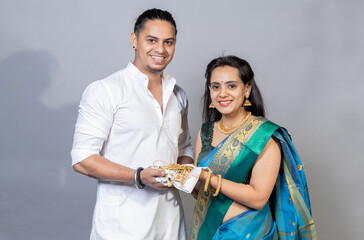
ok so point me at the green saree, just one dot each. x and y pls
(286, 216)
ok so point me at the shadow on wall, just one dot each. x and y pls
(36, 178)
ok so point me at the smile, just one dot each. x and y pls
(158, 58)
(225, 103)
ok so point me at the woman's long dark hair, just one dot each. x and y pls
(246, 74)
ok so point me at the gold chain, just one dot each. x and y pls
(180, 173)
(231, 130)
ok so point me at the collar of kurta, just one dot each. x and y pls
(144, 80)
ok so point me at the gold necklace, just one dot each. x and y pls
(231, 130)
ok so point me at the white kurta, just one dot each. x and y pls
(120, 119)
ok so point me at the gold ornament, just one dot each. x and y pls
(231, 130)
(247, 103)
(216, 192)
(207, 180)
(180, 173)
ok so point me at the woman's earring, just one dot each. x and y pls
(211, 105)
(247, 103)
(133, 47)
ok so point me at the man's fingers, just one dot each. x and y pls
(149, 177)
(154, 172)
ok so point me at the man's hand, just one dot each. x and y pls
(148, 177)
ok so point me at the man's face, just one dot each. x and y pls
(154, 46)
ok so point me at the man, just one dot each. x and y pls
(126, 122)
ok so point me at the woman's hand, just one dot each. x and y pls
(203, 175)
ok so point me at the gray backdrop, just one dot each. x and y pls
(308, 60)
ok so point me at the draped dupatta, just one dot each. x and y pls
(233, 158)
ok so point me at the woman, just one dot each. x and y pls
(257, 188)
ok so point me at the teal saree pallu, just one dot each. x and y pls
(289, 207)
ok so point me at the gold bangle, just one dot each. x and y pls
(215, 193)
(207, 181)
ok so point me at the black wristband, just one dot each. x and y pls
(138, 183)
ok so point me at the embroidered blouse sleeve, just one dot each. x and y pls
(95, 117)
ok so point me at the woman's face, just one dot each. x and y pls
(227, 90)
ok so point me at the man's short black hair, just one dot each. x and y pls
(153, 14)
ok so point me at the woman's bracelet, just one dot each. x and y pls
(215, 193)
(207, 182)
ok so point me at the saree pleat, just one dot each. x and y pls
(286, 216)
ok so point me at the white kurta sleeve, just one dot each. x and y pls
(184, 139)
(94, 121)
